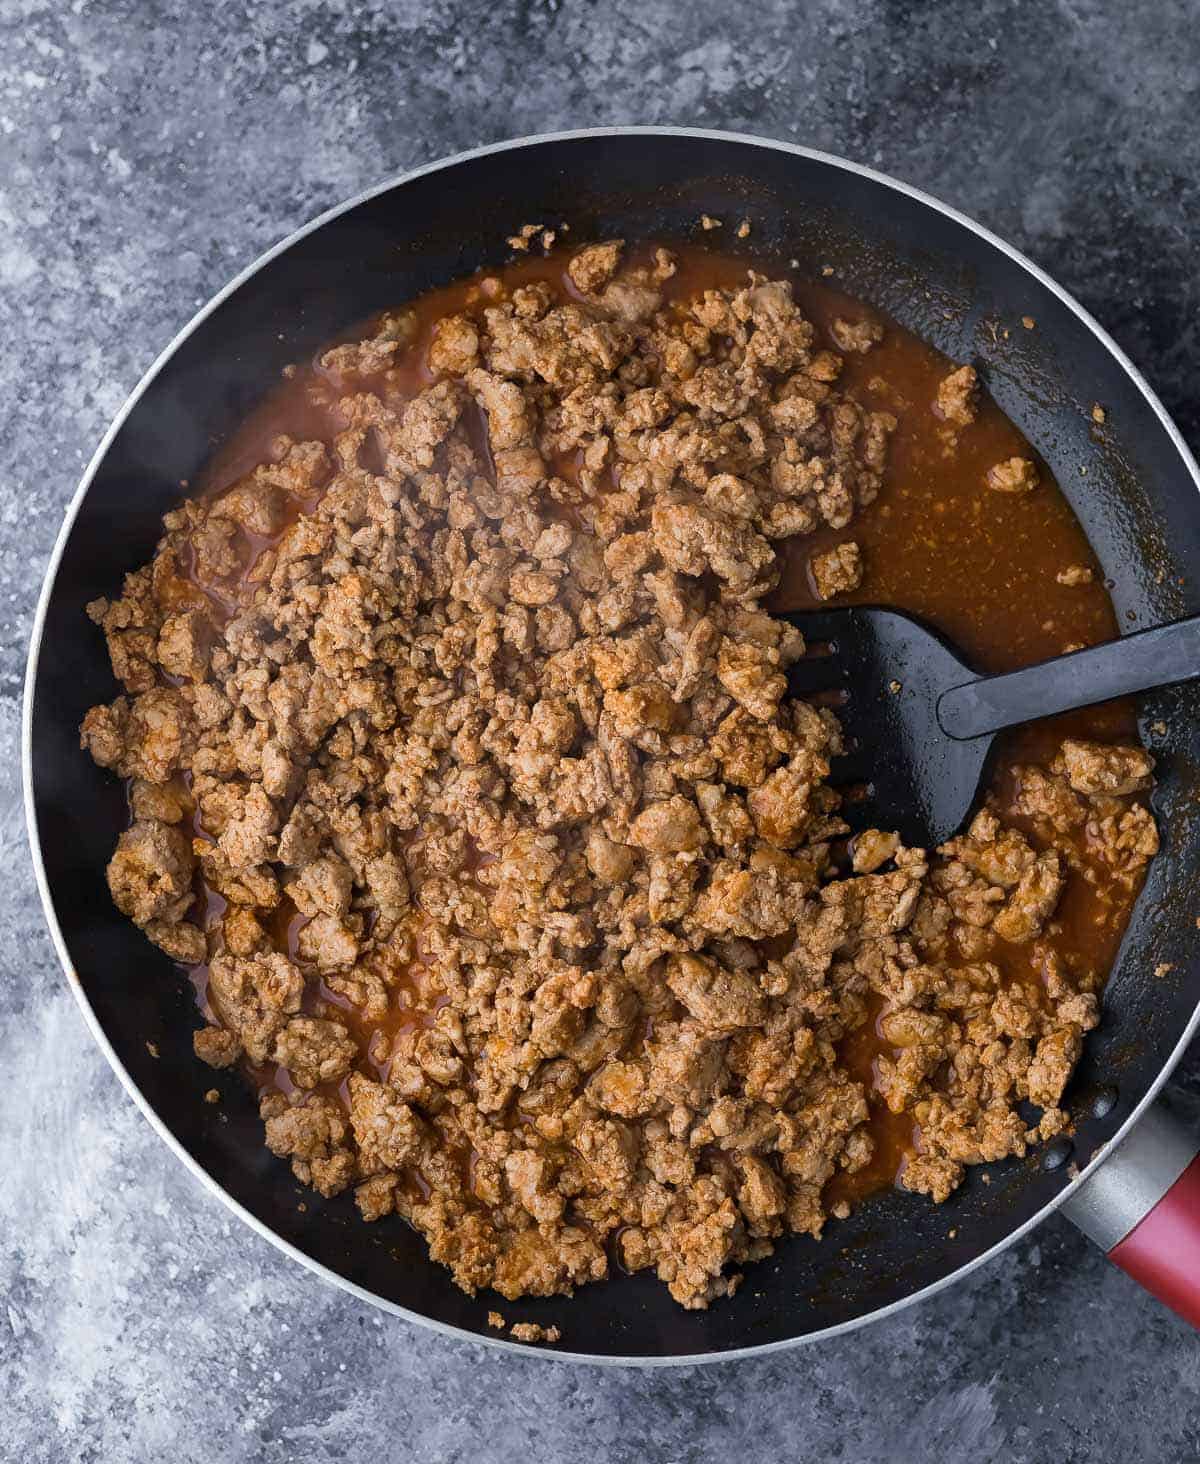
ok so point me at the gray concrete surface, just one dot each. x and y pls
(151, 148)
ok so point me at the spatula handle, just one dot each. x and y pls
(1142, 1205)
(1160, 656)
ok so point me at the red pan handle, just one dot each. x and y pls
(1142, 1205)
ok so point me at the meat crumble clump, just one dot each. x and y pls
(534, 1332)
(495, 727)
(856, 335)
(957, 395)
(837, 570)
(1014, 475)
(1075, 574)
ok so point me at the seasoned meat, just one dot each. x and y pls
(314, 1051)
(1093, 768)
(455, 346)
(314, 1135)
(857, 335)
(255, 996)
(150, 875)
(465, 777)
(1075, 574)
(836, 570)
(956, 396)
(1014, 475)
(595, 265)
(716, 997)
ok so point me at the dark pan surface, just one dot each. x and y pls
(1129, 480)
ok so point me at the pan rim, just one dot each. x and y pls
(198, 1171)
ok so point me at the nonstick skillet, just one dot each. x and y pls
(1132, 482)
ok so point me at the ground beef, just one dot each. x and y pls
(1014, 475)
(857, 335)
(957, 395)
(534, 1332)
(1075, 574)
(536, 921)
(1094, 768)
(594, 265)
(836, 570)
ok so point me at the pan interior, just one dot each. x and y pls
(1128, 482)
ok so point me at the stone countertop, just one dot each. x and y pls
(149, 149)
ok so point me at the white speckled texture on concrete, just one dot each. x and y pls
(151, 148)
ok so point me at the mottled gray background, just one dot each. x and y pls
(150, 150)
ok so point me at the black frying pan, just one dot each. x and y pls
(936, 273)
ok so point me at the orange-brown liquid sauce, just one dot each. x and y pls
(981, 566)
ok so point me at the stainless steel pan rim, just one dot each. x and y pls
(200, 1173)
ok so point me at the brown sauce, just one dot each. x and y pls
(981, 566)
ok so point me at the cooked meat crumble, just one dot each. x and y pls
(519, 862)
(956, 396)
(836, 570)
(1075, 574)
(1016, 475)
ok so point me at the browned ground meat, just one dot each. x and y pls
(1075, 574)
(1093, 768)
(856, 335)
(836, 570)
(534, 1332)
(494, 727)
(1015, 475)
(956, 396)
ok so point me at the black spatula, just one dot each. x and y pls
(919, 722)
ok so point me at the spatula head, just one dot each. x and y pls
(900, 771)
